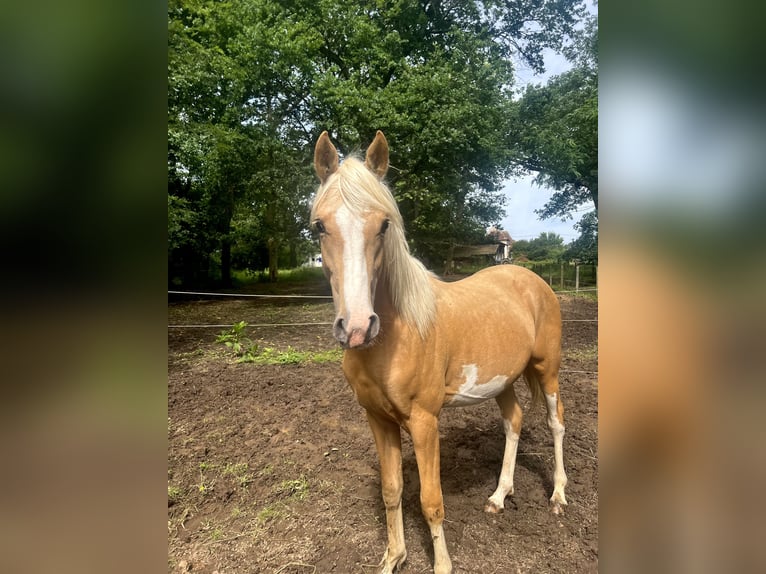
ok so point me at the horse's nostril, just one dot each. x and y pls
(374, 327)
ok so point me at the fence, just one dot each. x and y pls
(578, 277)
(261, 325)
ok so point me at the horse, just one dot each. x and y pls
(414, 344)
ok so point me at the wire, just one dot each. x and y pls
(251, 295)
(246, 326)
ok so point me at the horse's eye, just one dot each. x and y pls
(319, 226)
(384, 226)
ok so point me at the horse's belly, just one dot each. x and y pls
(472, 390)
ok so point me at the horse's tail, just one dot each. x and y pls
(533, 384)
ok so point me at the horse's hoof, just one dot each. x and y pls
(557, 505)
(558, 502)
(387, 566)
(493, 508)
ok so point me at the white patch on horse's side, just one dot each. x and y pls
(356, 282)
(472, 392)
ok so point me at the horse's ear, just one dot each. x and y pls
(377, 155)
(325, 157)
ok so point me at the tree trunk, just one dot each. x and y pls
(273, 260)
(226, 241)
(226, 261)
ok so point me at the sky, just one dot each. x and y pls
(522, 199)
(522, 196)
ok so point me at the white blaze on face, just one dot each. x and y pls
(356, 304)
(472, 392)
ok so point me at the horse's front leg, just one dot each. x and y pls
(425, 440)
(388, 441)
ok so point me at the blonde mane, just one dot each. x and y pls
(406, 277)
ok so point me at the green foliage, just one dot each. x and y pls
(181, 223)
(291, 356)
(252, 83)
(546, 247)
(248, 352)
(584, 249)
(242, 347)
(555, 133)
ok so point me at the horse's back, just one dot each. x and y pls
(506, 287)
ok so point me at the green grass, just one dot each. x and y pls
(269, 513)
(248, 352)
(174, 493)
(297, 489)
(240, 471)
(587, 353)
(291, 356)
(243, 277)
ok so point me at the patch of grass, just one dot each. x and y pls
(267, 470)
(248, 352)
(216, 533)
(292, 356)
(296, 275)
(205, 484)
(271, 512)
(204, 487)
(586, 353)
(235, 339)
(301, 274)
(240, 471)
(297, 489)
(174, 493)
(331, 356)
(569, 292)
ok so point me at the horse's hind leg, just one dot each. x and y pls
(512, 416)
(548, 380)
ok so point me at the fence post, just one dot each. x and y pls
(577, 277)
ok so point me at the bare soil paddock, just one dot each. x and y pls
(272, 468)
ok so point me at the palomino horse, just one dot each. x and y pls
(415, 344)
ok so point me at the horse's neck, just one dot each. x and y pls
(385, 308)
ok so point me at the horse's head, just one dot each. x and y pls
(352, 228)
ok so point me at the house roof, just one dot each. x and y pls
(472, 250)
(500, 235)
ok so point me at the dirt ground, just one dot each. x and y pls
(272, 468)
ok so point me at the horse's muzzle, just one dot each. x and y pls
(353, 335)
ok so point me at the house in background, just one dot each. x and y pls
(313, 261)
(504, 242)
(494, 253)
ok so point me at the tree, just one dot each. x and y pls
(231, 100)
(547, 246)
(436, 77)
(584, 249)
(555, 130)
(251, 84)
